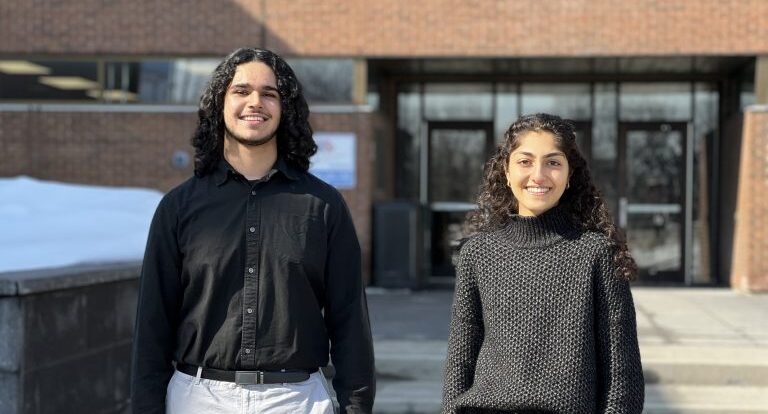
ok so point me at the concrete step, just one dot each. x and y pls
(705, 399)
(679, 379)
(705, 365)
(410, 360)
(424, 397)
(663, 364)
(408, 397)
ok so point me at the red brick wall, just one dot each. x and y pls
(135, 149)
(105, 148)
(141, 27)
(360, 198)
(386, 28)
(750, 254)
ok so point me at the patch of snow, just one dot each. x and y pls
(47, 224)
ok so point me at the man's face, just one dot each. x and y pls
(252, 105)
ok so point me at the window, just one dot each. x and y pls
(152, 81)
(49, 80)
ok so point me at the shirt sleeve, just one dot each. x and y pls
(346, 315)
(157, 314)
(620, 371)
(466, 332)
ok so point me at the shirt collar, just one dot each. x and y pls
(224, 171)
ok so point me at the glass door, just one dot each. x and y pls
(457, 154)
(583, 132)
(652, 196)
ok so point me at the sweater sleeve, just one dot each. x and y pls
(466, 332)
(620, 372)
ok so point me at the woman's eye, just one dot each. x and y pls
(524, 162)
(554, 163)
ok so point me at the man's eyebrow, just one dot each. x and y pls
(247, 86)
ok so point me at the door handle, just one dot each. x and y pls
(623, 212)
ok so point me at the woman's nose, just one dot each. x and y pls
(538, 173)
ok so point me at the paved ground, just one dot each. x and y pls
(704, 350)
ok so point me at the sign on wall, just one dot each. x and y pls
(335, 161)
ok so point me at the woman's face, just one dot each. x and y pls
(537, 173)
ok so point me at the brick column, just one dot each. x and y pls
(761, 80)
(749, 272)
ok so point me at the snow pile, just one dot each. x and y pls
(48, 224)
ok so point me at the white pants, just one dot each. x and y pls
(190, 395)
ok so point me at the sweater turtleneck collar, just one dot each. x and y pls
(542, 230)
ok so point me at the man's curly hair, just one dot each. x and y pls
(294, 134)
(581, 200)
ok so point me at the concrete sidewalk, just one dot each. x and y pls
(704, 350)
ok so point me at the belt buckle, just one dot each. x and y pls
(249, 377)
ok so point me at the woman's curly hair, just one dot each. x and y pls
(294, 134)
(581, 200)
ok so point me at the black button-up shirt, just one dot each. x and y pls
(258, 275)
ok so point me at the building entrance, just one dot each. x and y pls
(457, 153)
(652, 188)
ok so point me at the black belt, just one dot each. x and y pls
(248, 377)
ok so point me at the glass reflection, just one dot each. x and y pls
(566, 100)
(603, 157)
(507, 110)
(447, 229)
(458, 101)
(654, 166)
(655, 102)
(456, 164)
(654, 161)
(407, 142)
(654, 240)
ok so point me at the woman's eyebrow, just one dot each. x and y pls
(550, 155)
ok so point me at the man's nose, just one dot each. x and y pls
(254, 99)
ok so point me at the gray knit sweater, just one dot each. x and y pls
(540, 324)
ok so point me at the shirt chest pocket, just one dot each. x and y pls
(301, 239)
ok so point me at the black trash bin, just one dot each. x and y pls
(397, 244)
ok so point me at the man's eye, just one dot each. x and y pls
(241, 92)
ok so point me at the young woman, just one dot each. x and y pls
(542, 319)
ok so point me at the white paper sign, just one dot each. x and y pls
(335, 161)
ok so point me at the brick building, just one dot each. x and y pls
(668, 98)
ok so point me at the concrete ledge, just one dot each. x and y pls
(45, 280)
(65, 338)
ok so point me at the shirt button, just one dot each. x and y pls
(249, 310)
(247, 351)
(253, 192)
(252, 229)
(251, 270)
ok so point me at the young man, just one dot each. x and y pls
(252, 267)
